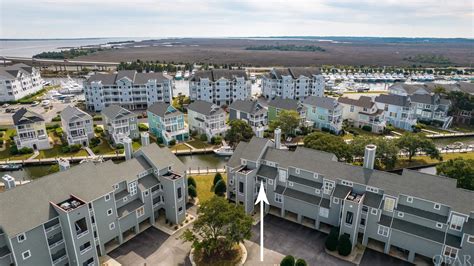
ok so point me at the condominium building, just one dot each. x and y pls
(324, 113)
(414, 215)
(293, 83)
(74, 216)
(18, 81)
(77, 125)
(207, 118)
(167, 123)
(250, 111)
(129, 89)
(362, 112)
(220, 86)
(31, 130)
(119, 123)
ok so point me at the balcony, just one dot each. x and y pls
(55, 241)
(59, 256)
(129, 208)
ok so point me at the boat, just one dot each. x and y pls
(70, 86)
(224, 151)
(179, 75)
(456, 145)
(11, 167)
(186, 74)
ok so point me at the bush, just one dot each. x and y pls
(119, 146)
(71, 148)
(217, 178)
(216, 140)
(3, 129)
(94, 142)
(367, 128)
(288, 261)
(192, 182)
(97, 118)
(192, 192)
(52, 126)
(300, 262)
(58, 132)
(1, 142)
(172, 142)
(56, 119)
(2, 134)
(345, 245)
(96, 150)
(325, 129)
(98, 130)
(220, 188)
(25, 150)
(203, 137)
(193, 133)
(332, 239)
(142, 127)
(13, 150)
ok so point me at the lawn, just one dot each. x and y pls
(136, 145)
(424, 160)
(57, 152)
(5, 154)
(204, 185)
(198, 144)
(103, 147)
(361, 132)
(180, 147)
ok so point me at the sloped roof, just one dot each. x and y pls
(295, 72)
(392, 99)
(136, 77)
(72, 114)
(363, 101)
(409, 88)
(161, 109)
(116, 112)
(286, 104)
(25, 116)
(322, 102)
(216, 74)
(11, 72)
(205, 108)
(247, 106)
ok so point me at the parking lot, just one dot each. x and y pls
(153, 247)
(56, 106)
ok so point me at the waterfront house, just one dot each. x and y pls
(119, 123)
(278, 104)
(396, 110)
(419, 217)
(30, 130)
(250, 111)
(207, 118)
(362, 112)
(293, 83)
(220, 86)
(18, 81)
(431, 108)
(77, 125)
(324, 113)
(127, 88)
(167, 123)
(75, 216)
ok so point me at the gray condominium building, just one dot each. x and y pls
(74, 216)
(414, 215)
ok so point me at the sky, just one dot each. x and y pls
(235, 18)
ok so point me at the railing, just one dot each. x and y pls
(85, 250)
(58, 260)
(55, 244)
(52, 228)
(82, 234)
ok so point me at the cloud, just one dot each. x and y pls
(159, 18)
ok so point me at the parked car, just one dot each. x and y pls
(5, 105)
(35, 103)
(45, 103)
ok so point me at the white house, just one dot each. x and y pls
(18, 81)
(396, 110)
(362, 112)
(207, 118)
(77, 125)
(31, 130)
(120, 123)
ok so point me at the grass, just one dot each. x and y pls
(180, 147)
(5, 154)
(37, 96)
(361, 132)
(136, 145)
(424, 160)
(57, 152)
(232, 258)
(463, 128)
(198, 144)
(204, 186)
(103, 147)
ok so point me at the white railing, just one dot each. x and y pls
(58, 260)
(56, 244)
(85, 250)
(52, 228)
(82, 234)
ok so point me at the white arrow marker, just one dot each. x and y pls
(262, 198)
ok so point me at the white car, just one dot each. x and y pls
(35, 103)
(45, 103)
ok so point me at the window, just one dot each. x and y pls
(374, 211)
(278, 198)
(125, 199)
(470, 239)
(180, 193)
(85, 247)
(389, 204)
(243, 162)
(318, 191)
(315, 175)
(25, 255)
(400, 214)
(180, 210)
(328, 186)
(437, 206)
(270, 181)
(132, 188)
(372, 189)
(439, 225)
(241, 187)
(81, 227)
(21, 238)
(349, 217)
(383, 230)
(140, 211)
(111, 226)
(146, 193)
(290, 184)
(323, 212)
(109, 212)
(456, 222)
(410, 199)
(450, 252)
(282, 175)
(365, 209)
(347, 183)
(297, 170)
(116, 186)
(335, 200)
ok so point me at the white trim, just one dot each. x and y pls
(316, 175)
(437, 206)
(107, 197)
(383, 230)
(462, 219)
(18, 237)
(372, 189)
(347, 183)
(400, 214)
(317, 191)
(326, 212)
(374, 211)
(26, 257)
(110, 212)
(439, 225)
(335, 200)
(46, 241)
(140, 211)
(125, 199)
(270, 182)
(297, 170)
(280, 198)
(112, 226)
(386, 204)
(410, 199)
(470, 239)
(452, 249)
(290, 183)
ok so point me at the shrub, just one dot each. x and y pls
(345, 245)
(25, 150)
(98, 130)
(220, 188)
(3, 129)
(94, 142)
(2, 134)
(203, 137)
(1, 142)
(367, 128)
(75, 147)
(53, 169)
(13, 150)
(193, 133)
(192, 192)
(52, 126)
(288, 261)
(300, 262)
(332, 239)
(172, 142)
(216, 140)
(56, 119)
(119, 146)
(97, 118)
(217, 178)
(192, 182)
(325, 129)
(58, 132)
(142, 127)
(96, 150)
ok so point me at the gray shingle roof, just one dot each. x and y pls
(422, 98)
(392, 99)
(116, 112)
(418, 230)
(296, 194)
(162, 157)
(372, 199)
(234, 160)
(71, 114)
(11, 72)
(363, 101)
(135, 77)
(248, 106)
(205, 108)
(268, 172)
(216, 74)
(422, 213)
(385, 220)
(255, 149)
(409, 88)
(279, 189)
(305, 182)
(341, 191)
(286, 104)
(161, 109)
(25, 116)
(322, 102)
(295, 72)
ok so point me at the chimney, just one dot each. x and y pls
(145, 138)
(259, 132)
(9, 182)
(277, 136)
(63, 164)
(127, 145)
(369, 156)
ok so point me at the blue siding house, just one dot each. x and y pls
(167, 123)
(324, 112)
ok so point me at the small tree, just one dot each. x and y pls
(219, 227)
(288, 261)
(217, 178)
(287, 120)
(345, 245)
(192, 192)
(192, 182)
(220, 188)
(239, 131)
(300, 262)
(172, 142)
(412, 143)
(333, 239)
(203, 137)
(142, 127)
